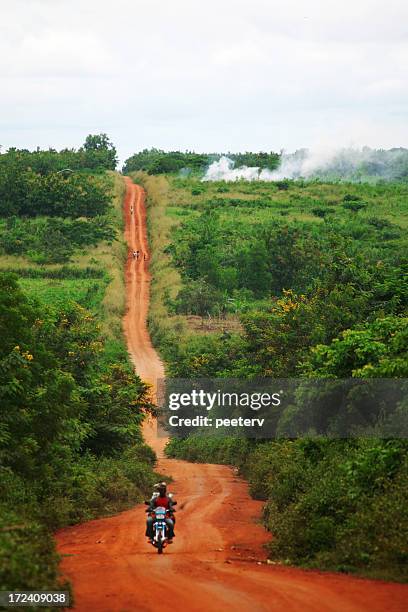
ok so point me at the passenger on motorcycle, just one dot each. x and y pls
(162, 499)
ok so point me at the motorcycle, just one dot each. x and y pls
(159, 515)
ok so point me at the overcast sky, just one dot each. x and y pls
(216, 75)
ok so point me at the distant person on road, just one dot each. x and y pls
(131, 210)
(135, 254)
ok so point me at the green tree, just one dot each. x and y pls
(99, 151)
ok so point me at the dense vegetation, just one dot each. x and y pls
(97, 154)
(156, 161)
(46, 214)
(70, 442)
(292, 279)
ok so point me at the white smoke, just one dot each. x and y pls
(301, 163)
(223, 170)
(336, 164)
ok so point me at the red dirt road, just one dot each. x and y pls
(217, 561)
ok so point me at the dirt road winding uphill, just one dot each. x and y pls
(217, 561)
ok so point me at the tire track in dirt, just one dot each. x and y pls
(217, 560)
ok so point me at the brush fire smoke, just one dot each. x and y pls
(342, 164)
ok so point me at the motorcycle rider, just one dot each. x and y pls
(162, 499)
